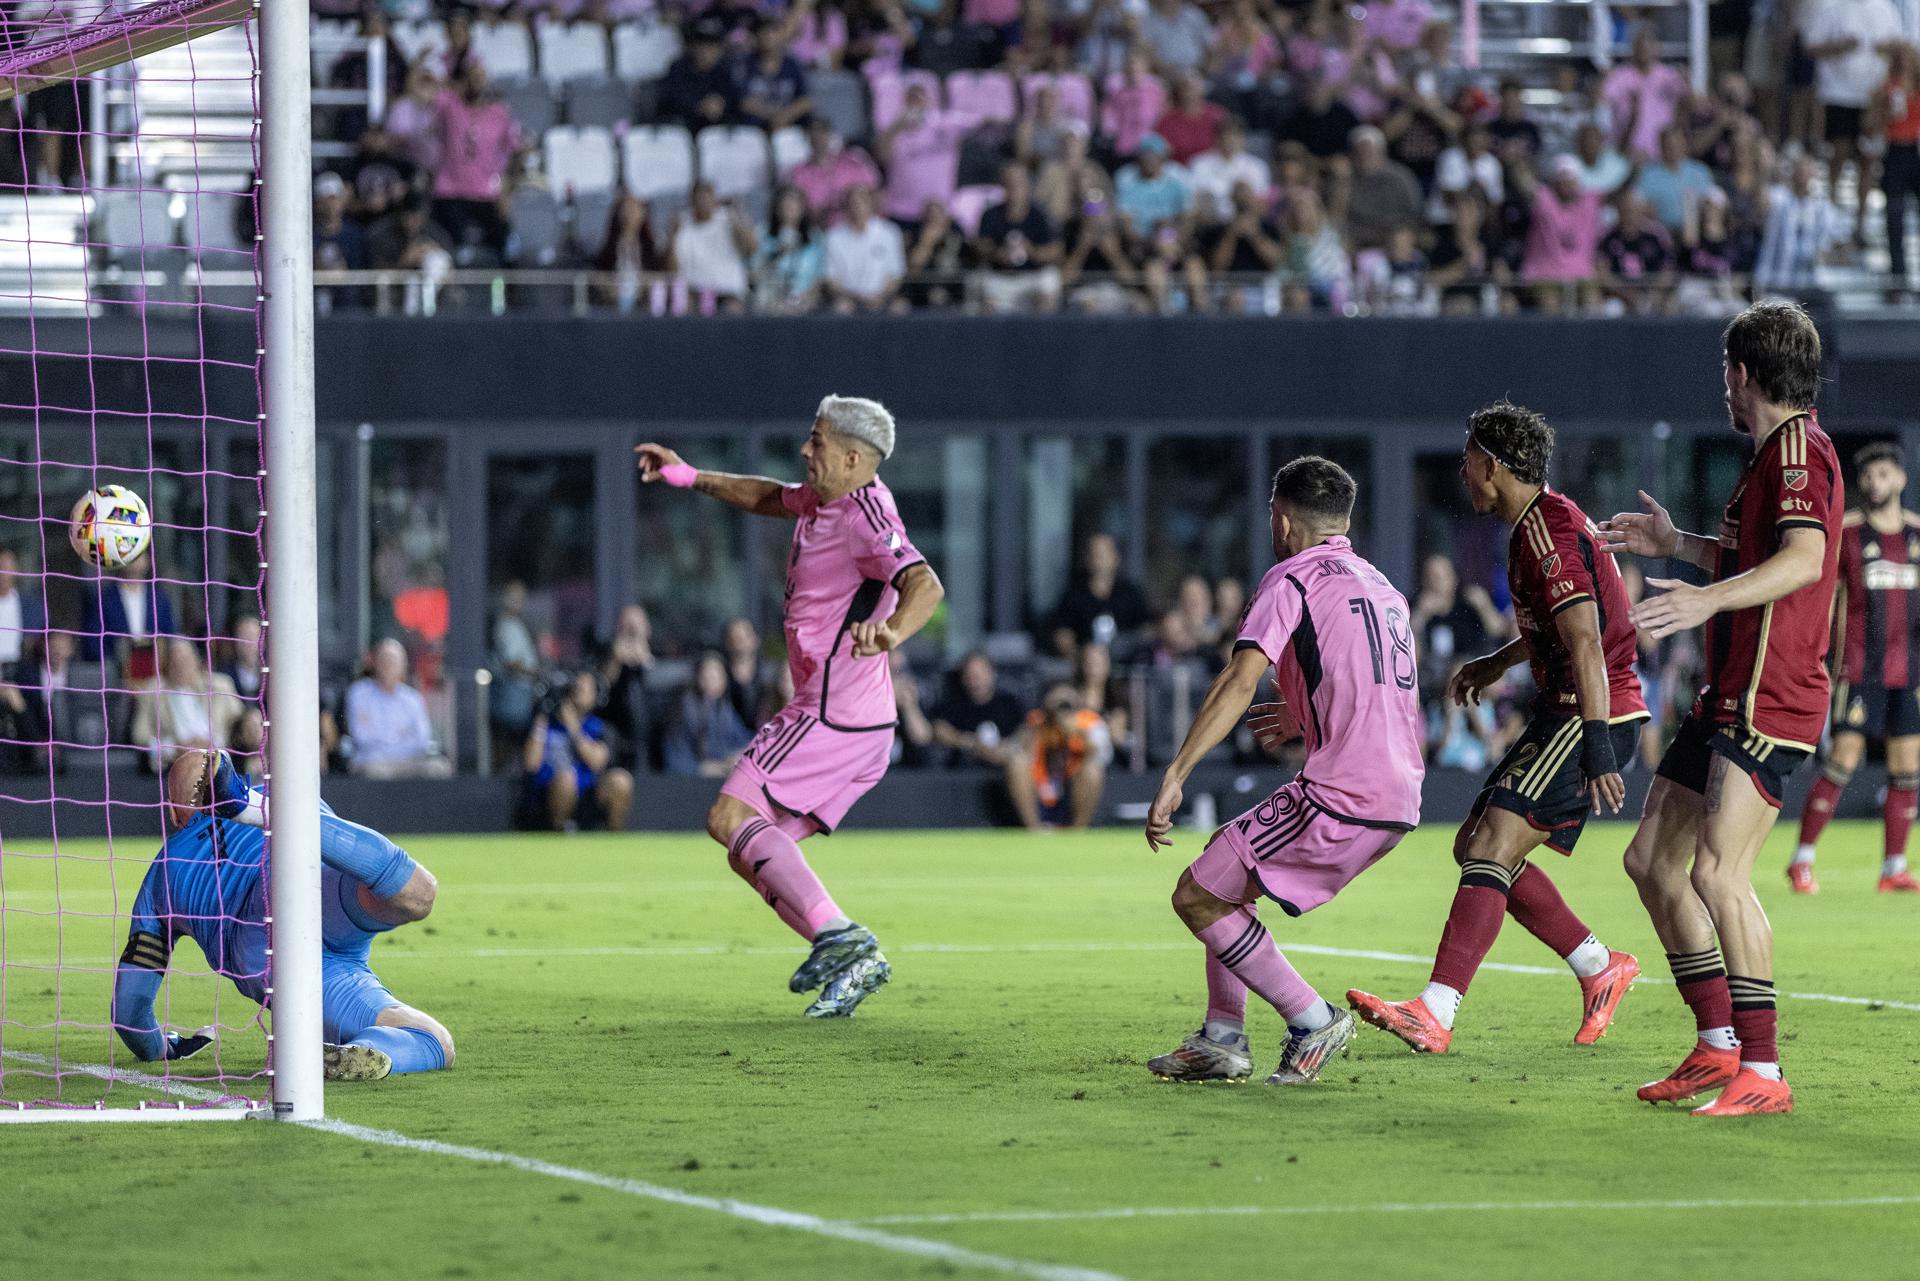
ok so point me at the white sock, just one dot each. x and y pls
(255, 815)
(1443, 1001)
(837, 923)
(1720, 1038)
(1589, 958)
(1221, 1032)
(1769, 1070)
(1311, 1019)
(1804, 854)
(1893, 865)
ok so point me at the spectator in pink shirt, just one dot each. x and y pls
(921, 151)
(831, 170)
(1565, 232)
(819, 34)
(1398, 24)
(1643, 95)
(1135, 101)
(1192, 124)
(478, 141)
(413, 119)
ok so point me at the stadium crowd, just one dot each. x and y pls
(1110, 155)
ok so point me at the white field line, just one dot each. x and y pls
(1384, 1207)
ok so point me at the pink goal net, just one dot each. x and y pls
(129, 356)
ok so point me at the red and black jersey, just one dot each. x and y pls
(1766, 666)
(1553, 565)
(1880, 591)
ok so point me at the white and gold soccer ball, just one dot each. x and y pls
(110, 526)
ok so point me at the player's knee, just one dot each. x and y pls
(1193, 904)
(724, 819)
(415, 900)
(1462, 839)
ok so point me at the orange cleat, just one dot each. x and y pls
(1602, 995)
(1800, 877)
(1411, 1021)
(1705, 1068)
(1749, 1094)
(1899, 883)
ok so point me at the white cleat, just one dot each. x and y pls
(1305, 1056)
(1199, 1059)
(356, 1063)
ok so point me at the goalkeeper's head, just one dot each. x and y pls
(189, 787)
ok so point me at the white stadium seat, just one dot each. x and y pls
(579, 159)
(505, 49)
(734, 160)
(572, 51)
(658, 161)
(644, 50)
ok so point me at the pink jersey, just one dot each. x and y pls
(847, 555)
(1336, 632)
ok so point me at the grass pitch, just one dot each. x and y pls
(621, 1010)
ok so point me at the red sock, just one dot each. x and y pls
(1536, 904)
(1754, 1021)
(1898, 813)
(1820, 802)
(1702, 981)
(1473, 923)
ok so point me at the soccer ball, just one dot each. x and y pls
(110, 526)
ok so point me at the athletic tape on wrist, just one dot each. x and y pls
(680, 475)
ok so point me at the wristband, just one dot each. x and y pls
(679, 475)
(1596, 749)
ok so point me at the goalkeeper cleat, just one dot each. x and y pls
(1200, 1059)
(833, 952)
(1800, 877)
(1411, 1021)
(1705, 1068)
(1899, 883)
(356, 1063)
(1749, 1094)
(1602, 994)
(851, 986)
(1308, 1052)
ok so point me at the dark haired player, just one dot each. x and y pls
(1759, 716)
(1877, 665)
(1336, 633)
(1572, 612)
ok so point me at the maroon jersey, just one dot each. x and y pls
(1880, 584)
(1552, 565)
(1766, 666)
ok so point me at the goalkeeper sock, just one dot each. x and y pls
(412, 1049)
(365, 855)
(1226, 997)
(783, 874)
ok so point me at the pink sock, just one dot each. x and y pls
(1226, 995)
(780, 872)
(1243, 945)
(785, 913)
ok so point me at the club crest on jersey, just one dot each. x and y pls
(1794, 478)
(1550, 565)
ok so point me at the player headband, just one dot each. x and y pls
(1479, 442)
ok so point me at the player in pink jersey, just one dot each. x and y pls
(856, 588)
(1336, 633)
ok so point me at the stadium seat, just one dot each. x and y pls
(535, 229)
(1075, 90)
(888, 88)
(839, 96)
(644, 50)
(969, 203)
(591, 210)
(598, 102)
(131, 219)
(332, 39)
(579, 159)
(734, 160)
(532, 105)
(420, 39)
(981, 96)
(789, 150)
(572, 51)
(657, 161)
(505, 49)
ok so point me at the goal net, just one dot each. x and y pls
(132, 353)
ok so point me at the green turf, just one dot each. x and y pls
(999, 1073)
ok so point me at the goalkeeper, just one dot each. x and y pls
(207, 882)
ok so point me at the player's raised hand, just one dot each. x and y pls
(1679, 607)
(1272, 724)
(1166, 803)
(1481, 673)
(872, 638)
(653, 458)
(1642, 533)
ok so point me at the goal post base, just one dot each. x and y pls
(27, 1114)
(112, 40)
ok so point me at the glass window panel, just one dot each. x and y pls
(1355, 453)
(689, 554)
(407, 549)
(540, 509)
(1445, 524)
(1076, 487)
(779, 460)
(1197, 492)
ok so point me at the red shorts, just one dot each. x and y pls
(1290, 849)
(797, 765)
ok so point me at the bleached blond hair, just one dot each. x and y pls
(858, 419)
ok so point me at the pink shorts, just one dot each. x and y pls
(798, 765)
(1292, 850)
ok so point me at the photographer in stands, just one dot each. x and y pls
(1057, 768)
(570, 779)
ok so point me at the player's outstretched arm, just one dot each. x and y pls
(1486, 671)
(1680, 607)
(135, 985)
(1651, 533)
(1226, 702)
(921, 592)
(756, 494)
(1579, 628)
